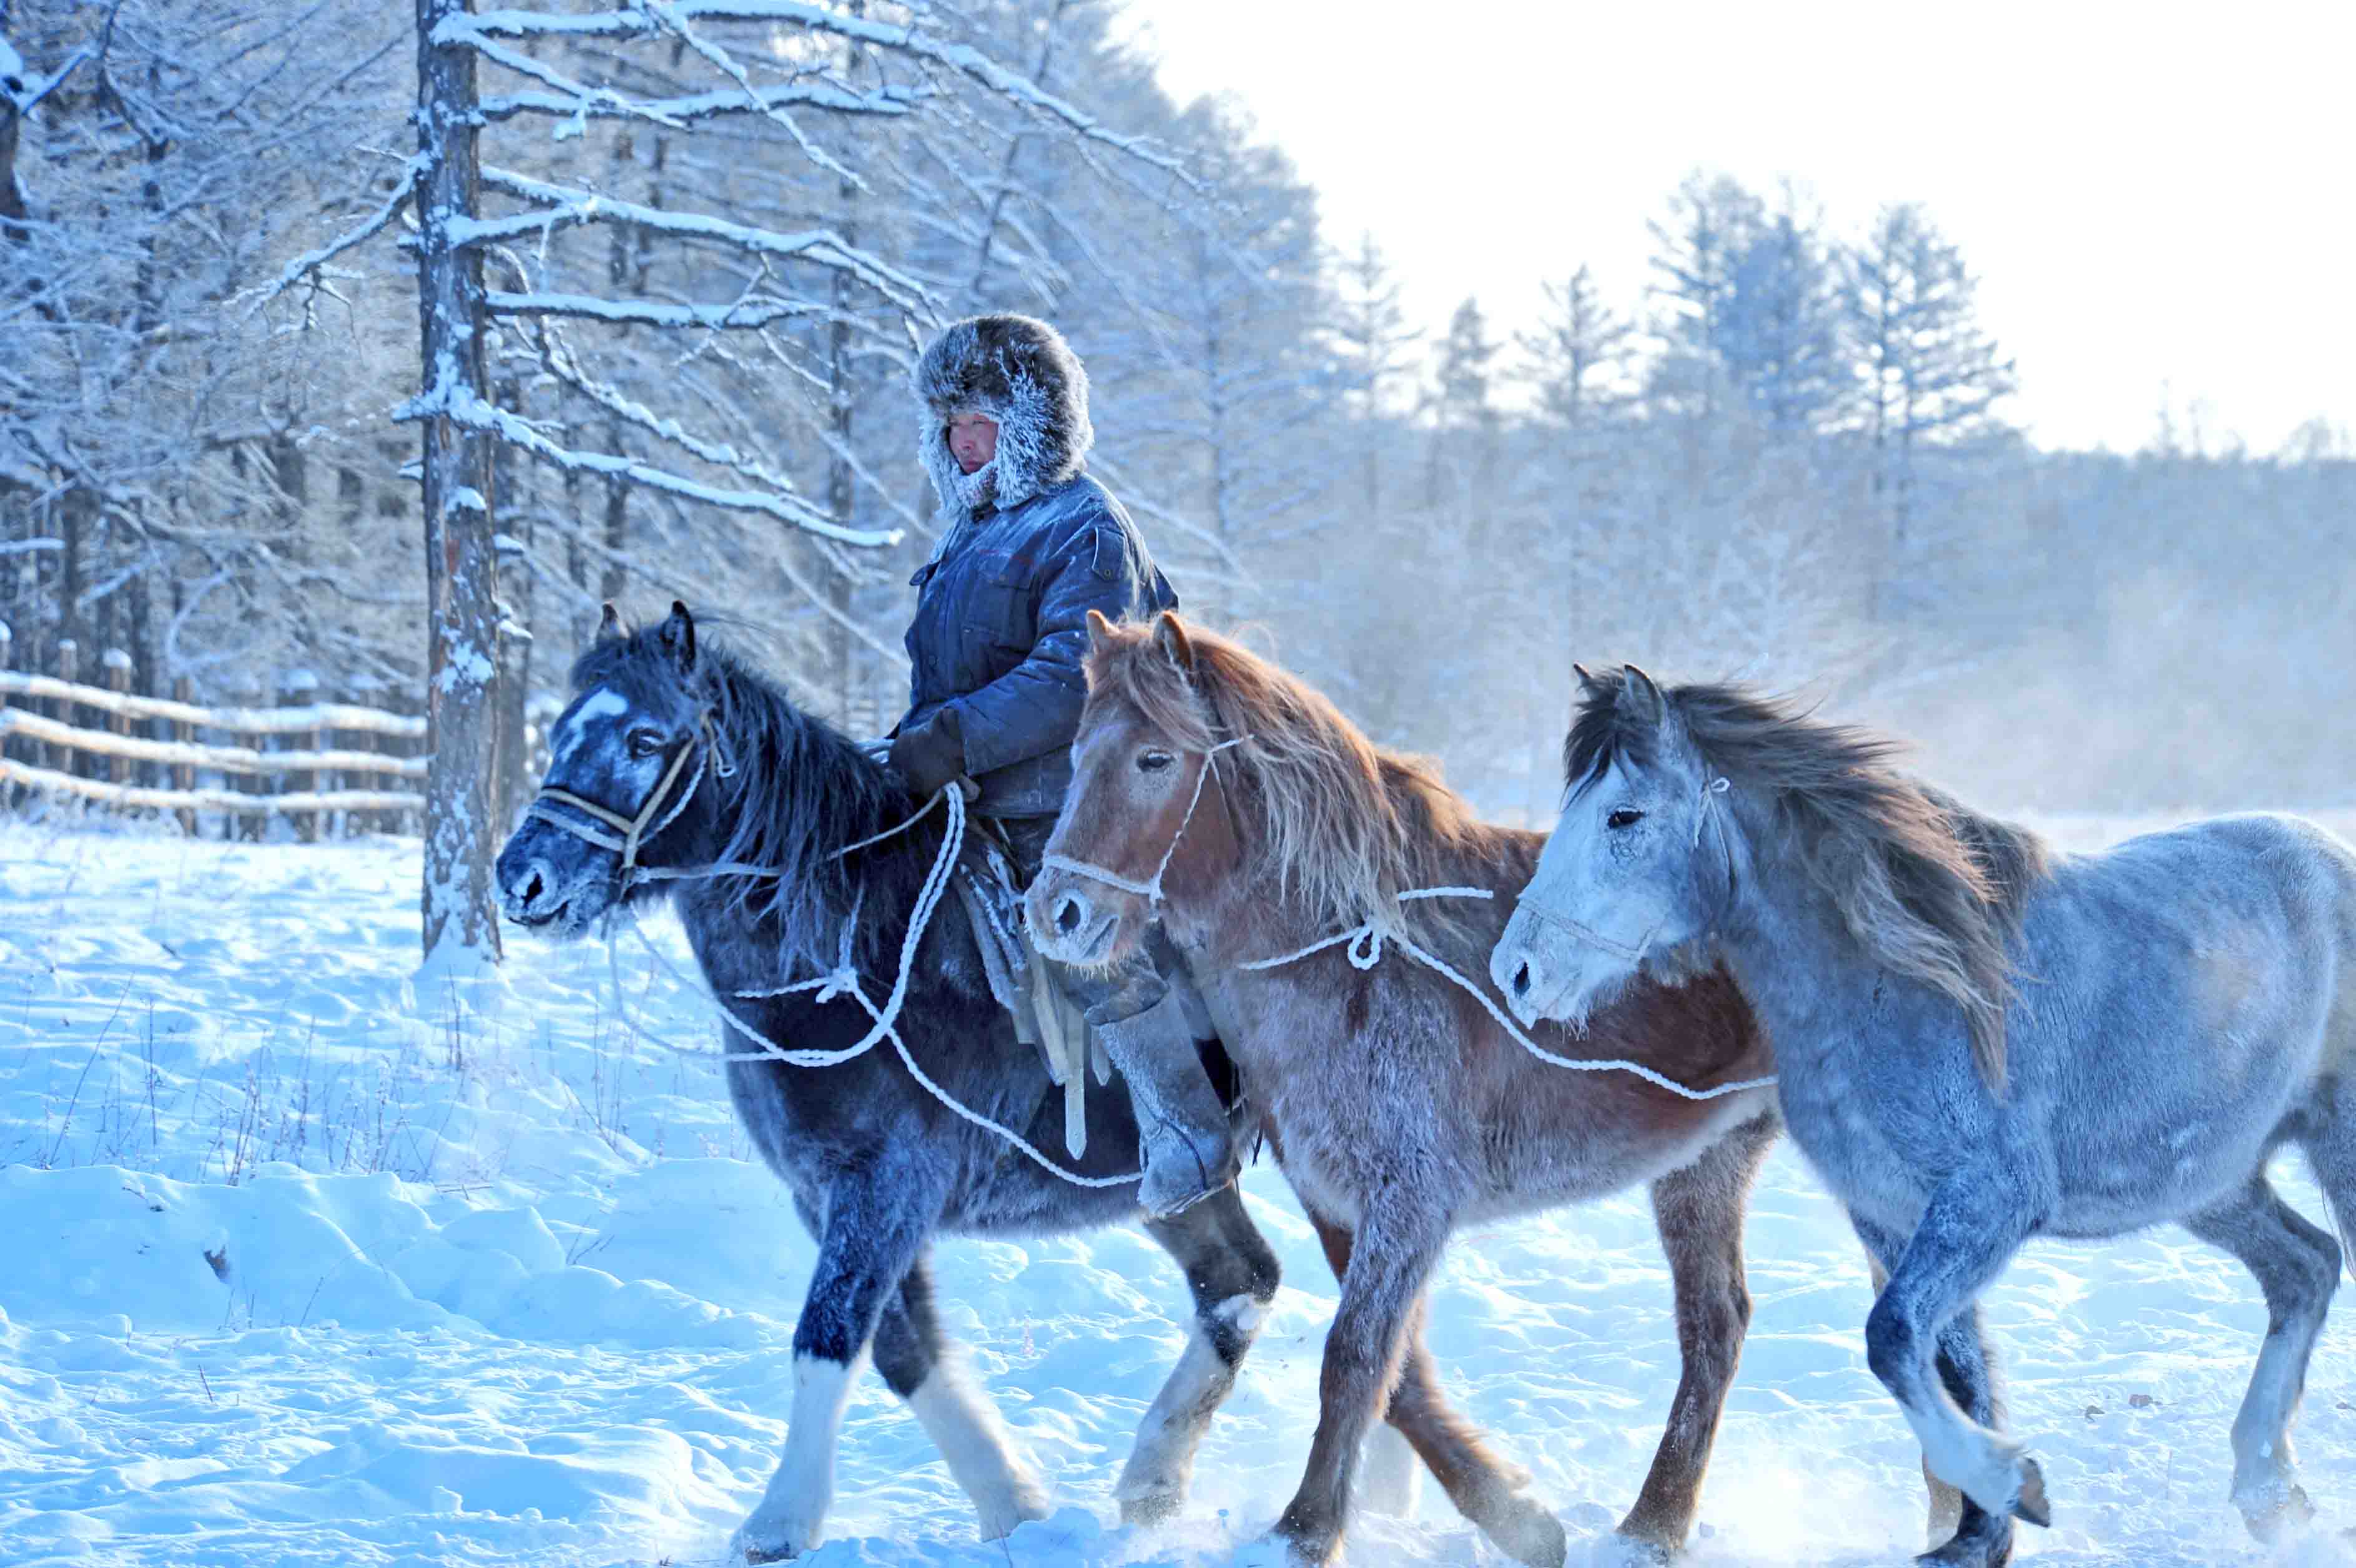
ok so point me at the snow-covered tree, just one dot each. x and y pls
(1928, 373)
(1371, 330)
(1577, 355)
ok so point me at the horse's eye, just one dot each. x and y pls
(1154, 761)
(645, 743)
(1625, 817)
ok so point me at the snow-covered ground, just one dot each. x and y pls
(298, 1267)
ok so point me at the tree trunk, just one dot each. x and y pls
(461, 563)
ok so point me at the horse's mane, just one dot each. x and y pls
(1930, 887)
(793, 790)
(1338, 825)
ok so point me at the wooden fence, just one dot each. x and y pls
(327, 767)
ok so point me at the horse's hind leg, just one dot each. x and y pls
(1484, 1488)
(2297, 1268)
(1699, 1211)
(875, 1223)
(1960, 1531)
(1233, 1275)
(924, 1368)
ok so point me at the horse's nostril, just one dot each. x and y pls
(533, 888)
(1068, 914)
(1522, 978)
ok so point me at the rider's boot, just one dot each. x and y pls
(1183, 1136)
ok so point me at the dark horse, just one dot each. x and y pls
(702, 763)
(1235, 802)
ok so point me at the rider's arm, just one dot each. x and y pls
(1034, 707)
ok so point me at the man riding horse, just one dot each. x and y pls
(1030, 544)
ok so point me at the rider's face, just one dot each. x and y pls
(973, 440)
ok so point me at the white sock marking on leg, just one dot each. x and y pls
(792, 1512)
(1164, 1459)
(965, 1426)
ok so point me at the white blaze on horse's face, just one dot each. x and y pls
(603, 747)
(1618, 881)
(589, 720)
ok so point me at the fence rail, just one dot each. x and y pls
(244, 721)
(323, 767)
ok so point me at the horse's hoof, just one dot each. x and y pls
(2280, 1507)
(1643, 1551)
(742, 1549)
(2031, 1504)
(1988, 1545)
(1305, 1545)
(756, 1542)
(1151, 1508)
(1527, 1532)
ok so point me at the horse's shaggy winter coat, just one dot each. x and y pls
(1978, 1041)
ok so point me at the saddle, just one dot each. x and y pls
(1020, 979)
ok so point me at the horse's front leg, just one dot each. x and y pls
(1699, 1211)
(1233, 1275)
(1398, 1241)
(1974, 1223)
(921, 1365)
(1489, 1491)
(875, 1223)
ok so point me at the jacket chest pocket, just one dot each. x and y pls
(997, 618)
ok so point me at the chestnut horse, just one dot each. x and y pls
(1232, 802)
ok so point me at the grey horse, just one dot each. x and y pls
(1979, 1040)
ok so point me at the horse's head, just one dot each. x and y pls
(1139, 773)
(1631, 870)
(625, 759)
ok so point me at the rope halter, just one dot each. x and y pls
(1152, 890)
(1596, 938)
(634, 830)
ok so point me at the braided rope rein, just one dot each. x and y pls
(1365, 945)
(843, 980)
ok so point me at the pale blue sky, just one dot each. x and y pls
(2150, 193)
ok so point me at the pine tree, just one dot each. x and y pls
(1928, 373)
(1577, 355)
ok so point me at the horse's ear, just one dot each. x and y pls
(1638, 688)
(609, 625)
(677, 636)
(1099, 630)
(1170, 637)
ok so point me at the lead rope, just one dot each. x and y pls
(843, 980)
(1366, 950)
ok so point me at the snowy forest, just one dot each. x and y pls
(671, 265)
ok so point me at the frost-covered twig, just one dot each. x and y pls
(906, 40)
(374, 224)
(461, 406)
(741, 314)
(683, 109)
(562, 204)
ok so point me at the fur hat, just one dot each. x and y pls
(1021, 374)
